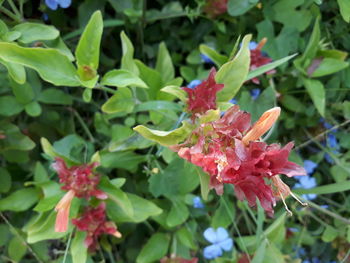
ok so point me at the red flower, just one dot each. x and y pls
(258, 59)
(203, 97)
(93, 222)
(215, 7)
(79, 181)
(229, 151)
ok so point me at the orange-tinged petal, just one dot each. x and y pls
(262, 43)
(117, 234)
(262, 125)
(62, 209)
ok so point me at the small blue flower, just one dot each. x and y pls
(54, 4)
(310, 166)
(255, 93)
(332, 141)
(233, 101)
(306, 182)
(206, 59)
(220, 242)
(253, 45)
(197, 202)
(194, 83)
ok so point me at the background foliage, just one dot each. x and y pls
(78, 95)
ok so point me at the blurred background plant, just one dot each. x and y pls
(49, 109)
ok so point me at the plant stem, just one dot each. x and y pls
(83, 125)
(14, 230)
(67, 247)
(9, 14)
(14, 9)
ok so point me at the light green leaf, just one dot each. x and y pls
(239, 7)
(51, 65)
(9, 106)
(164, 64)
(176, 91)
(128, 62)
(265, 68)
(186, 237)
(224, 215)
(16, 71)
(217, 58)
(166, 138)
(178, 214)
(59, 44)
(121, 101)
(260, 253)
(317, 93)
(157, 105)
(276, 232)
(233, 73)
(329, 234)
(155, 248)
(14, 140)
(122, 78)
(329, 66)
(16, 249)
(344, 6)
(20, 200)
(88, 49)
(31, 32)
(33, 109)
(55, 96)
(326, 189)
(78, 249)
(24, 93)
(204, 181)
(119, 159)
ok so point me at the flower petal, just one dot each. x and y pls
(52, 4)
(213, 251)
(221, 234)
(64, 3)
(210, 235)
(226, 244)
(62, 209)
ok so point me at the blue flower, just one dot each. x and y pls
(332, 141)
(255, 93)
(54, 4)
(194, 83)
(220, 242)
(310, 166)
(233, 101)
(306, 182)
(206, 59)
(197, 202)
(253, 45)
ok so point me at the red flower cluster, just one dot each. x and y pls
(93, 221)
(80, 179)
(203, 97)
(229, 151)
(215, 8)
(178, 260)
(258, 59)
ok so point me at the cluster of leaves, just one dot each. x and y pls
(82, 106)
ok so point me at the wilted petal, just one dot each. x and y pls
(62, 209)
(213, 251)
(262, 125)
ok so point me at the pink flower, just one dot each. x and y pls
(79, 181)
(229, 150)
(203, 96)
(215, 7)
(93, 222)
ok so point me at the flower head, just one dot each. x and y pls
(206, 59)
(54, 4)
(62, 209)
(215, 7)
(203, 97)
(93, 222)
(197, 202)
(220, 242)
(255, 93)
(306, 182)
(310, 166)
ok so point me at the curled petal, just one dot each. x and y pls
(62, 209)
(281, 189)
(262, 125)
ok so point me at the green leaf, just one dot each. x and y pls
(88, 49)
(116, 195)
(128, 62)
(344, 7)
(9, 106)
(163, 137)
(217, 58)
(317, 93)
(178, 214)
(51, 192)
(31, 32)
(24, 93)
(329, 66)
(224, 214)
(20, 200)
(164, 64)
(329, 234)
(326, 189)
(186, 237)
(33, 109)
(51, 65)
(265, 68)
(142, 209)
(204, 181)
(122, 78)
(121, 101)
(16, 249)
(5, 180)
(276, 232)
(233, 73)
(152, 79)
(155, 248)
(157, 105)
(78, 249)
(16, 71)
(260, 253)
(59, 45)
(55, 96)
(176, 91)
(119, 159)
(14, 140)
(239, 7)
